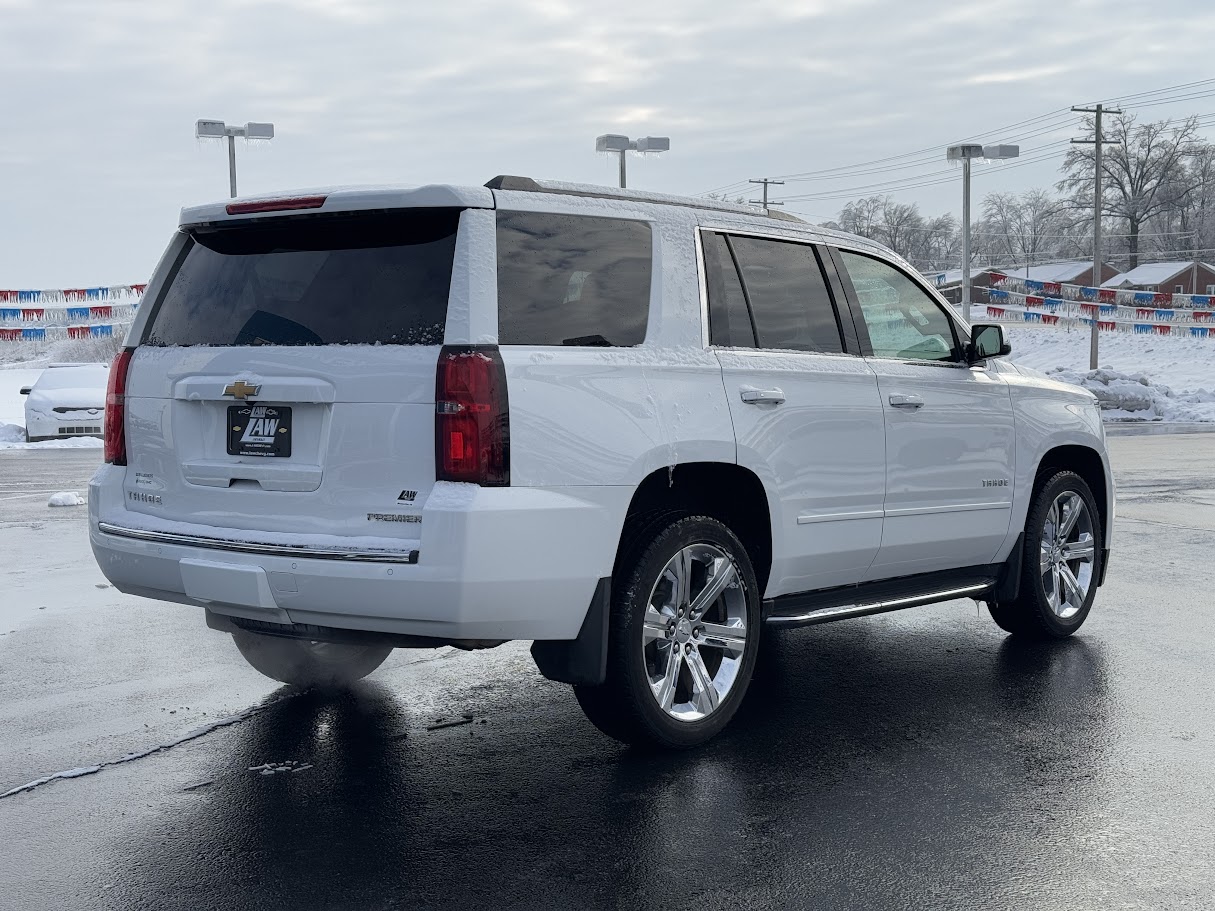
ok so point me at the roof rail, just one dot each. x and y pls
(593, 191)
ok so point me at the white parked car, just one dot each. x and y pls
(632, 428)
(67, 400)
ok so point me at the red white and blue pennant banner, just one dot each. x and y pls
(73, 295)
(1122, 296)
(49, 333)
(65, 314)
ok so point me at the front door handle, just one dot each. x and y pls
(910, 402)
(762, 396)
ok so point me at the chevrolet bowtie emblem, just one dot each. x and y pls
(242, 390)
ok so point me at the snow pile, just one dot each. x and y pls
(66, 498)
(12, 436)
(1179, 363)
(1141, 378)
(1134, 397)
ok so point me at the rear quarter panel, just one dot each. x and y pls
(610, 416)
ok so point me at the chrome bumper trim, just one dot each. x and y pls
(250, 547)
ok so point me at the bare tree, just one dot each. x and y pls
(1022, 227)
(926, 243)
(1142, 172)
(902, 227)
(863, 217)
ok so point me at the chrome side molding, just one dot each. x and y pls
(303, 551)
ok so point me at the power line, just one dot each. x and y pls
(1147, 99)
(898, 186)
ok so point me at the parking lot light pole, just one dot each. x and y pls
(964, 153)
(217, 129)
(614, 142)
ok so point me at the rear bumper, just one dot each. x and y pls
(491, 563)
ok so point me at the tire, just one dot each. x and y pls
(304, 663)
(654, 695)
(1059, 573)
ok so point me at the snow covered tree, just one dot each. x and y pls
(1022, 227)
(1143, 174)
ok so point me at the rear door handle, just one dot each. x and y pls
(762, 396)
(910, 402)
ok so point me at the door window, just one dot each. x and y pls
(903, 320)
(790, 304)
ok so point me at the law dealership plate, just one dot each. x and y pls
(259, 430)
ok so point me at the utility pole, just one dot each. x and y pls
(764, 202)
(1096, 142)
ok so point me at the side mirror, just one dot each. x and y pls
(26, 390)
(986, 340)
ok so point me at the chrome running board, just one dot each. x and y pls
(301, 551)
(843, 611)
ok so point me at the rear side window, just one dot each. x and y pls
(788, 294)
(380, 278)
(572, 280)
(729, 322)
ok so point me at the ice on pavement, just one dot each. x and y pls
(192, 734)
(67, 498)
(274, 768)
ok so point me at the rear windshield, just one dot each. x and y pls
(324, 280)
(572, 280)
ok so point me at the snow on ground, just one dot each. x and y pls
(12, 402)
(1141, 377)
(1182, 363)
(12, 436)
(66, 498)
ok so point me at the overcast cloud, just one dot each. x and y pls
(100, 98)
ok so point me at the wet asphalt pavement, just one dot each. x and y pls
(911, 760)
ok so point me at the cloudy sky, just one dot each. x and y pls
(99, 100)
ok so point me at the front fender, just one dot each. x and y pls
(1048, 416)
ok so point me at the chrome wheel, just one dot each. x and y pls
(1067, 554)
(695, 631)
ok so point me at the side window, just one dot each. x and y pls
(572, 280)
(788, 295)
(729, 321)
(903, 321)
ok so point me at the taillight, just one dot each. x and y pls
(472, 427)
(115, 409)
(283, 204)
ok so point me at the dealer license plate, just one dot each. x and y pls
(259, 430)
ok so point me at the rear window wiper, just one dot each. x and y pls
(587, 341)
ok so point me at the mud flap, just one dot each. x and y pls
(581, 661)
(1008, 581)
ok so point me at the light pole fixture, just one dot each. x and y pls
(217, 129)
(614, 142)
(964, 153)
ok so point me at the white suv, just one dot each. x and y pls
(632, 428)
